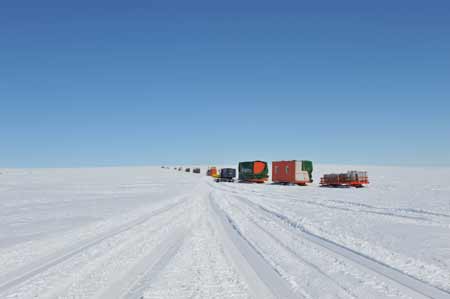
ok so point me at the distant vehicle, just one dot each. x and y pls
(196, 170)
(180, 168)
(253, 172)
(215, 174)
(187, 170)
(352, 178)
(292, 172)
(212, 171)
(226, 175)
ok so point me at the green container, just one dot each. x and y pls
(308, 167)
(247, 171)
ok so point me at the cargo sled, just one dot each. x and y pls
(352, 178)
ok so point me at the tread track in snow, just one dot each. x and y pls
(261, 277)
(411, 285)
(140, 277)
(20, 275)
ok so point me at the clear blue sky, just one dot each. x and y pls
(96, 83)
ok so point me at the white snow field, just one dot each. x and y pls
(147, 232)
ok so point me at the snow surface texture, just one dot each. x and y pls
(147, 232)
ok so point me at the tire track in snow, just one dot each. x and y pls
(19, 276)
(417, 216)
(263, 279)
(294, 253)
(140, 277)
(432, 272)
(411, 285)
(203, 267)
(109, 263)
(404, 210)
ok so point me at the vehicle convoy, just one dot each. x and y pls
(297, 172)
(352, 178)
(226, 175)
(292, 172)
(253, 172)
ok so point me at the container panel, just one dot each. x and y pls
(283, 171)
(259, 167)
(298, 167)
(302, 176)
(254, 170)
(307, 166)
(228, 173)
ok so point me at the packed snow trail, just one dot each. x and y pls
(158, 233)
(265, 280)
(419, 248)
(12, 279)
(136, 281)
(405, 283)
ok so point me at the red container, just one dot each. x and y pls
(289, 172)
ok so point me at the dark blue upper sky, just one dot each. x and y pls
(162, 82)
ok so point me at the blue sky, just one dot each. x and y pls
(98, 83)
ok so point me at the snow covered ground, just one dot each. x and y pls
(147, 232)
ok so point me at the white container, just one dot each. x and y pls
(301, 176)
